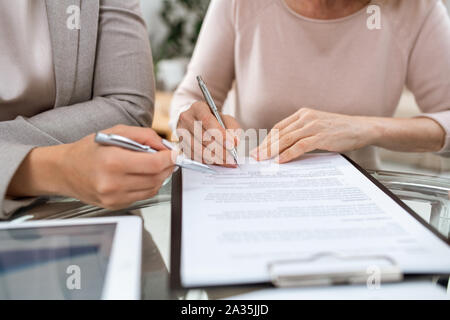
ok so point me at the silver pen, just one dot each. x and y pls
(214, 110)
(123, 142)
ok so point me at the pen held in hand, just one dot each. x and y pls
(126, 143)
(214, 110)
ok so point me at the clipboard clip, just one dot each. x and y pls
(330, 268)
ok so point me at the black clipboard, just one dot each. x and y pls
(176, 229)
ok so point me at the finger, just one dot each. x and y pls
(256, 153)
(271, 147)
(220, 157)
(279, 127)
(197, 136)
(145, 136)
(285, 141)
(212, 128)
(230, 122)
(300, 122)
(286, 122)
(134, 182)
(191, 148)
(214, 139)
(233, 128)
(136, 196)
(186, 139)
(263, 152)
(152, 139)
(216, 152)
(298, 149)
(146, 163)
(128, 199)
(297, 124)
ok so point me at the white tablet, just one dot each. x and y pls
(98, 258)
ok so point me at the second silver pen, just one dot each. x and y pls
(214, 110)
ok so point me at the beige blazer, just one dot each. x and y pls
(104, 77)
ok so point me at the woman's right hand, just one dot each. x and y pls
(108, 177)
(203, 139)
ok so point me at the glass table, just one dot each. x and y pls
(425, 190)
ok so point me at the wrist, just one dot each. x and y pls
(373, 130)
(54, 179)
(435, 132)
(39, 174)
(407, 135)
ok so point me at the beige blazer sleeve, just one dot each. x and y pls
(104, 77)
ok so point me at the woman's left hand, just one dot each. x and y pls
(308, 130)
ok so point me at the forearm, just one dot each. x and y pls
(407, 135)
(91, 116)
(39, 174)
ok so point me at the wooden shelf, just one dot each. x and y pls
(162, 114)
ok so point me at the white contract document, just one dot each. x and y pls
(238, 221)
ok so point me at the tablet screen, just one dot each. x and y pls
(64, 262)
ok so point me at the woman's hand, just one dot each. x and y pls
(108, 177)
(203, 139)
(308, 130)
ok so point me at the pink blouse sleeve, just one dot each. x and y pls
(429, 70)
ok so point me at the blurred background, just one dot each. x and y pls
(173, 27)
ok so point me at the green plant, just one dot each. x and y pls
(183, 19)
